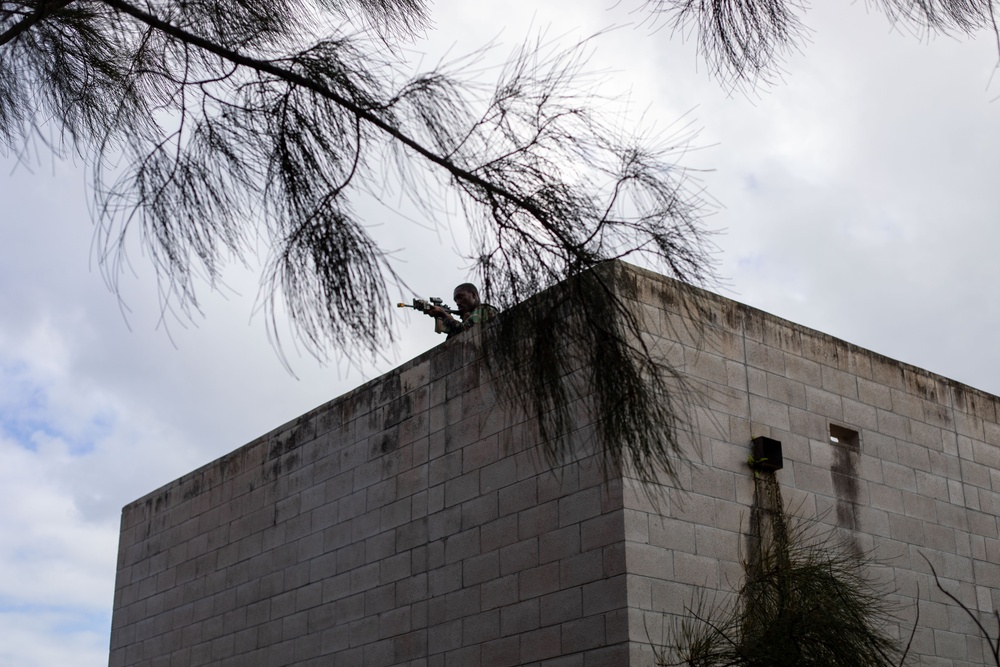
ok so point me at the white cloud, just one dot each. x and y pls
(859, 199)
(40, 637)
(56, 587)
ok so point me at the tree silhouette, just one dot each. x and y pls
(805, 602)
(744, 42)
(215, 127)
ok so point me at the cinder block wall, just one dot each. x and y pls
(406, 523)
(923, 483)
(413, 522)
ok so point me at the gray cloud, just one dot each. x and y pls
(858, 198)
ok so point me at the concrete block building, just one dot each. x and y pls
(414, 521)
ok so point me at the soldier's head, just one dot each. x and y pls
(466, 297)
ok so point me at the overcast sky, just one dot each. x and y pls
(858, 197)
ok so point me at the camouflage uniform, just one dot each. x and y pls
(481, 313)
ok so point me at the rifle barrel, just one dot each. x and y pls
(444, 308)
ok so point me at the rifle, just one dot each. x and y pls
(424, 306)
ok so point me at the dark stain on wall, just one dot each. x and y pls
(921, 385)
(844, 473)
(389, 386)
(160, 503)
(283, 464)
(937, 414)
(390, 441)
(845, 484)
(398, 410)
(194, 488)
(284, 443)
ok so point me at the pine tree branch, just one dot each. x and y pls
(266, 67)
(45, 9)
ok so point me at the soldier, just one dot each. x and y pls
(470, 309)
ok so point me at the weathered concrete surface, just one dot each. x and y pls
(413, 522)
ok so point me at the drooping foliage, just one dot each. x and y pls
(745, 41)
(805, 602)
(218, 129)
(583, 349)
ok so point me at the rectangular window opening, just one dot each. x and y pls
(841, 435)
